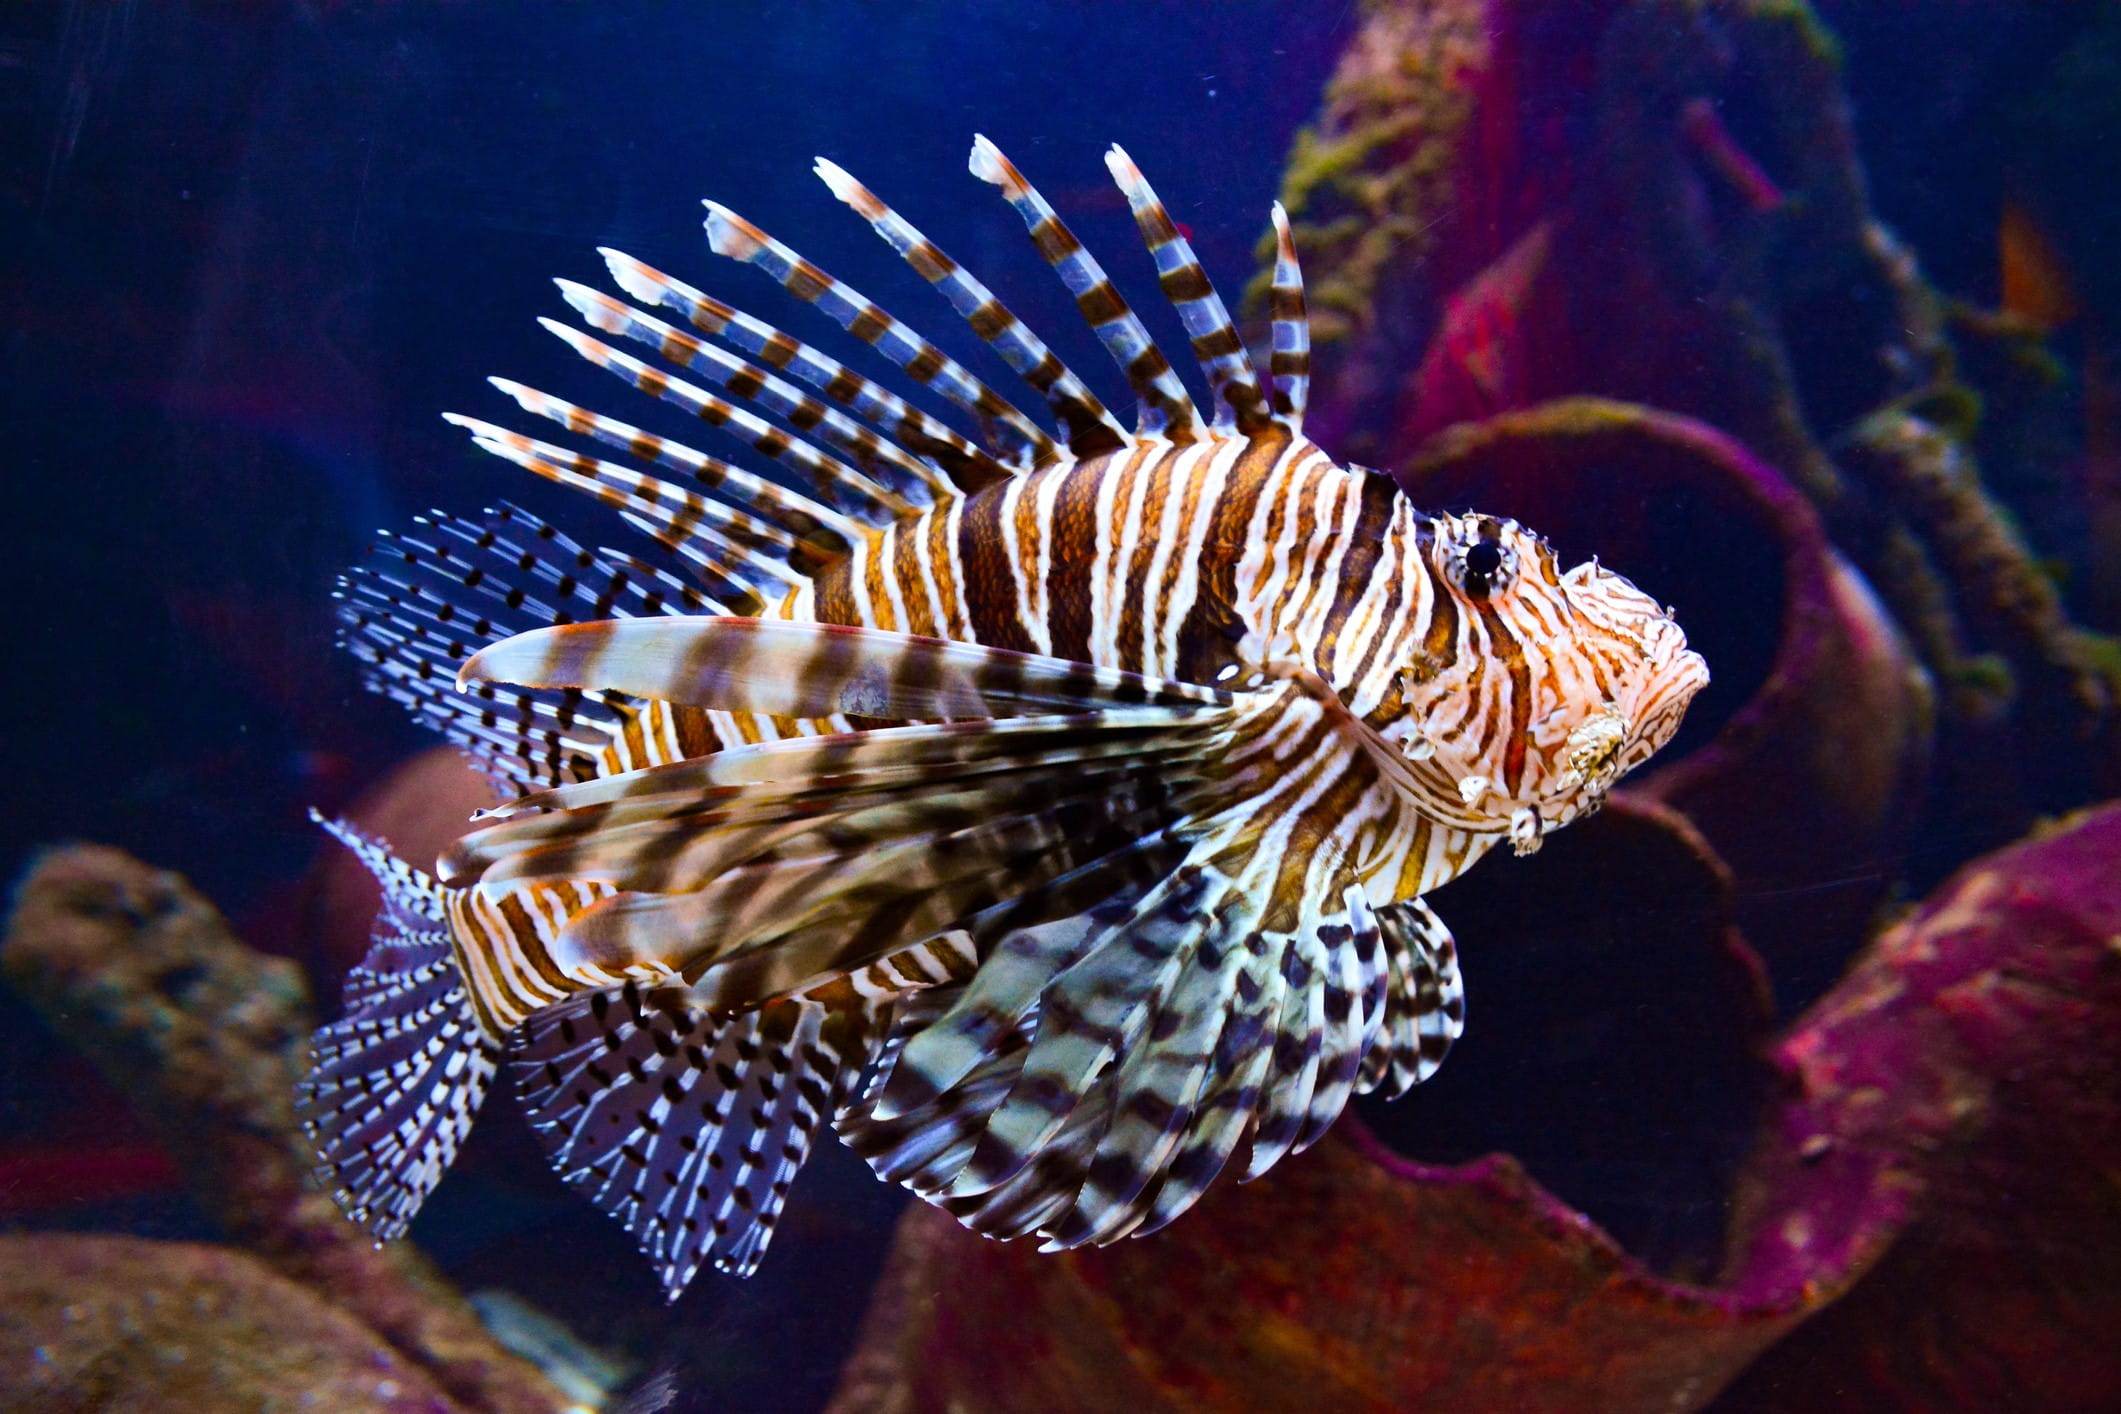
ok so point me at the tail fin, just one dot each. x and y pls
(397, 1080)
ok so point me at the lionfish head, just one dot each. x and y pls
(1555, 683)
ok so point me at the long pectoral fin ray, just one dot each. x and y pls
(790, 669)
(1119, 1047)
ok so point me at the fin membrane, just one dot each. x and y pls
(686, 1128)
(396, 1082)
(689, 1128)
(791, 669)
(1425, 1010)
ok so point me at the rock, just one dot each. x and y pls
(96, 1323)
(206, 1036)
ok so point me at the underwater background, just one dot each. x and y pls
(1806, 1056)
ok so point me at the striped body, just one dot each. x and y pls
(1050, 811)
(1162, 559)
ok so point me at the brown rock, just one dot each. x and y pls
(119, 1323)
(206, 1037)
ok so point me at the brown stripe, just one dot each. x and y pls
(1353, 779)
(902, 543)
(844, 386)
(927, 260)
(465, 931)
(695, 735)
(989, 590)
(1504, 644)
(1187, 282)
(1188, 512)
(1101, 304)
(1439, 646)
(1074, 546)
(923, 367)
(940, 572)
(875, 598)
(1391, 635)
(868, 325)
(1219, 342)
(990, 319)
(1366, 546)
(1054, 241)
(523, 932)
(1124, 469)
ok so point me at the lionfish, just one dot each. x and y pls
(1049, 811)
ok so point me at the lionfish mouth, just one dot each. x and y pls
(1664, 703)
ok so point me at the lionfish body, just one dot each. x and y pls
(1050, 815)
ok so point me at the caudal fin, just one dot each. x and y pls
(395, 1082)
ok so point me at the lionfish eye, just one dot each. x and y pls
(1484, 562)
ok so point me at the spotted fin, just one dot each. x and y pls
(1131, 1097)
(424, 600)
(395, 1083)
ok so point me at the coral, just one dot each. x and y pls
(206, 1037)
(122, 1323)
(1962, 1085)
(1366, 181)
(1348, 1279)
(1931, 477)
